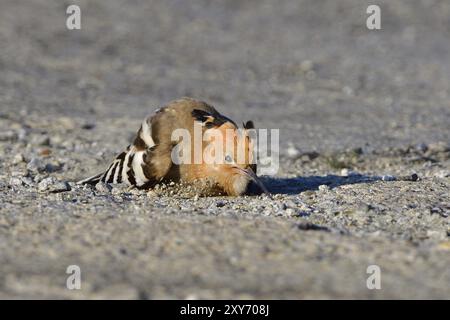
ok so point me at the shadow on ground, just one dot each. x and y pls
(295, 185)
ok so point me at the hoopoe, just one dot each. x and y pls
(149, 160)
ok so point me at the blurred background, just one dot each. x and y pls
(309, 67)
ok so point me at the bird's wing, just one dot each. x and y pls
(143, 164)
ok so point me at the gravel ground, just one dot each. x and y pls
(364, 172)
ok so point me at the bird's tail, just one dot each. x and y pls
(114, 174)
(92, 180)
(142, 164)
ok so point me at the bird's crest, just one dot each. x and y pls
(210, 119)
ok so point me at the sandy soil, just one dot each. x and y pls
(360, 112)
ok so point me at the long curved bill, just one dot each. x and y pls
(249, 173)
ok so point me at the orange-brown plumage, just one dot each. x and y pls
(224, 159)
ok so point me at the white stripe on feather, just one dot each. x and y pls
(146, 134)
(110, 171)
(124, 172)
(117, 172)
(137, 168)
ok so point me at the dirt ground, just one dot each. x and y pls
(364, 171)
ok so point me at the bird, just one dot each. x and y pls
(225, 162)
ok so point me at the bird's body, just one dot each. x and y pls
(150, 158)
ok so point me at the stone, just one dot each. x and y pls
(36, 165)
(15, 181)
(53, 185)
(18, 158)
(103, 187)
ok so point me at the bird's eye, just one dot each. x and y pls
(228, 158)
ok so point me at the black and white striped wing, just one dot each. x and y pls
(141, 165)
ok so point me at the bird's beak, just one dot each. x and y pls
(249, 173)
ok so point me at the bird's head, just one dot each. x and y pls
(229, 157)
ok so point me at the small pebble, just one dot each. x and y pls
(36, 165)
(28, 181)
(45, 152)
(439, 211)
(43, 140)
(67, 123)
(22, 134)
(422, 147)
(88, 126)
(19, 173)
(290, 204)
(413, 177)
(388, 178)
(45, 183)
(152, 194)
(14, 181)
(220, 204)
(50, 184)
(290, 211)
(292, 152)
(103, 187)
(118, 189)
(18, 158)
